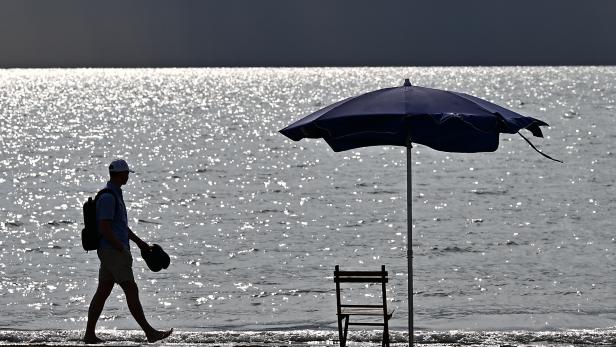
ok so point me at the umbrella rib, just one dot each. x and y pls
(459, 116)
(478, 105)
(497, 113)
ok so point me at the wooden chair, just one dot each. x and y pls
(345, 311)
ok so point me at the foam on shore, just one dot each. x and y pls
(315, 337)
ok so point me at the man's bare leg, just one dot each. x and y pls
(134, 305)
(94, 312)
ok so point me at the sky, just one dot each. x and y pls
(155, 33)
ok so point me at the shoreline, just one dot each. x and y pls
(116, 338)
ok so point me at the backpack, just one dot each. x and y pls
(90, 237)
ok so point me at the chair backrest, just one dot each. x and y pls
(361, 277)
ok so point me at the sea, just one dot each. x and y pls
(509, 248)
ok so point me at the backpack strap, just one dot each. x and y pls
(107, 190)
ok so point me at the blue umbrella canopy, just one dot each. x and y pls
(443, 120)
(400, 116)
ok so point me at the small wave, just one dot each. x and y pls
(242, 252)
(60, 222)
(489, 192)
(292, 292)
(434, 294)
(42, 249)
(269, 211)
(377, 192)
(308, 336)
(145, 221)
(454, 249)
(14, 223)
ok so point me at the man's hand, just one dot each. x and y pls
(140, 243)
(143, 245)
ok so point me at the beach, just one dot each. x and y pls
(510, 248)
(319, 338)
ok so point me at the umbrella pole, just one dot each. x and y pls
(409, 239)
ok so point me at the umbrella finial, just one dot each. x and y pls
(407, 82)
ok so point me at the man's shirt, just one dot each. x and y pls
(106, 209)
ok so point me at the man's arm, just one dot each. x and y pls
(140, 243)
(104, 226)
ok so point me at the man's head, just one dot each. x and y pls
(118, 171)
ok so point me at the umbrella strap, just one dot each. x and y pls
(538, 151)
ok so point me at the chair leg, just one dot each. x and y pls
(385, 337)
(386, 332)
(346, 328)
(340, 335)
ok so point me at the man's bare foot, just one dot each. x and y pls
(159, 335)
(92, 339)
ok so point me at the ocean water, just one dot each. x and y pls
(508, 246)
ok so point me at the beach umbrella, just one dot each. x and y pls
(400, 116)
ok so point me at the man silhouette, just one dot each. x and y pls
(115, 257)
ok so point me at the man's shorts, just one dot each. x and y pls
(116, 266)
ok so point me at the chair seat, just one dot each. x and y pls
(364, 311)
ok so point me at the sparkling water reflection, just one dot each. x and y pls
(255, 223)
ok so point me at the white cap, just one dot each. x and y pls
(119, 165)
